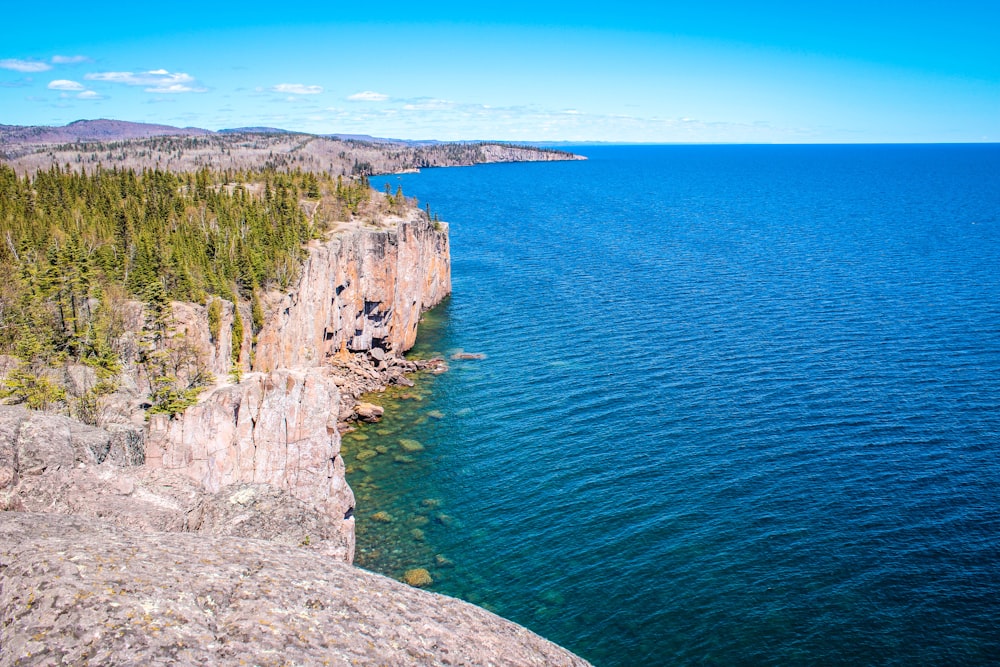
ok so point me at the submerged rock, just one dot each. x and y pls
(410, 445)
(468, 355)
(418, 577)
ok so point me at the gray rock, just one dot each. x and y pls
(78, 591)
(34, 443)
(79, 379)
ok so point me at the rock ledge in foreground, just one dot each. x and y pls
(78, 591)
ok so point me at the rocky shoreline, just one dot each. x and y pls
(227, 530)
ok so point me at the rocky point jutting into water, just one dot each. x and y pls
(341, 331)
(205, 533)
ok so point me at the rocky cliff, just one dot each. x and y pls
(278, 429)
(56, 465)
(227, 535)
(357, 302)
(363, 290)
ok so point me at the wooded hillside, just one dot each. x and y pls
(76, 246)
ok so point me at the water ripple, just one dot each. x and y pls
(740, 405)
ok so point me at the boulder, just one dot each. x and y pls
(369, 412)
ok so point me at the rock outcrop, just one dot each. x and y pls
(54, 464)
(78, 591)
(361, 291)
(278, 428)
(224, 535)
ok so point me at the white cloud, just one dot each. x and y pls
(89, 95)
(65, 84)
(429, 104)
(368, 96)
(70, 60)
(154, 81)
(174, 88)
(24, 65)
(297, 89)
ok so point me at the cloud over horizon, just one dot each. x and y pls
(24, 65)
(65, 84)
(70, 60)
(297, 89)
(153, 81)
(368, 96)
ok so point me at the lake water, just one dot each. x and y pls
(739, 405)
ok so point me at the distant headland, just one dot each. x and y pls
(85, 145)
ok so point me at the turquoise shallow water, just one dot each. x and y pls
(740, 405)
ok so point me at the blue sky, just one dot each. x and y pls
(713, 71)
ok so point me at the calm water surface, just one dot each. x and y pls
(740, 405)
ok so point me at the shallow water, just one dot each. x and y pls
(739, 405)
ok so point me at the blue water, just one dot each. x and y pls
(740, 404)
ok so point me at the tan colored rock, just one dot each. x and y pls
(369, 412)
(418, 577)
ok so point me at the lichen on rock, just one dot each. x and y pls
(74, 590)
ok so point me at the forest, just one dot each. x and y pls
(77, 246)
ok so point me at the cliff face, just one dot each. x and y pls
(363, 290)
(56, 465)
(278, 429)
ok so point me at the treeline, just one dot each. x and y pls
(75, 246)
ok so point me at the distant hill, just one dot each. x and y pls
(106, 130)
(101, 129)
(256, 130)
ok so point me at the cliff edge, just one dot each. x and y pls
(77, 591)
(224, 534)
(354, 311)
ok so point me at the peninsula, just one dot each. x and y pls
(191, 342)
(89, 144)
